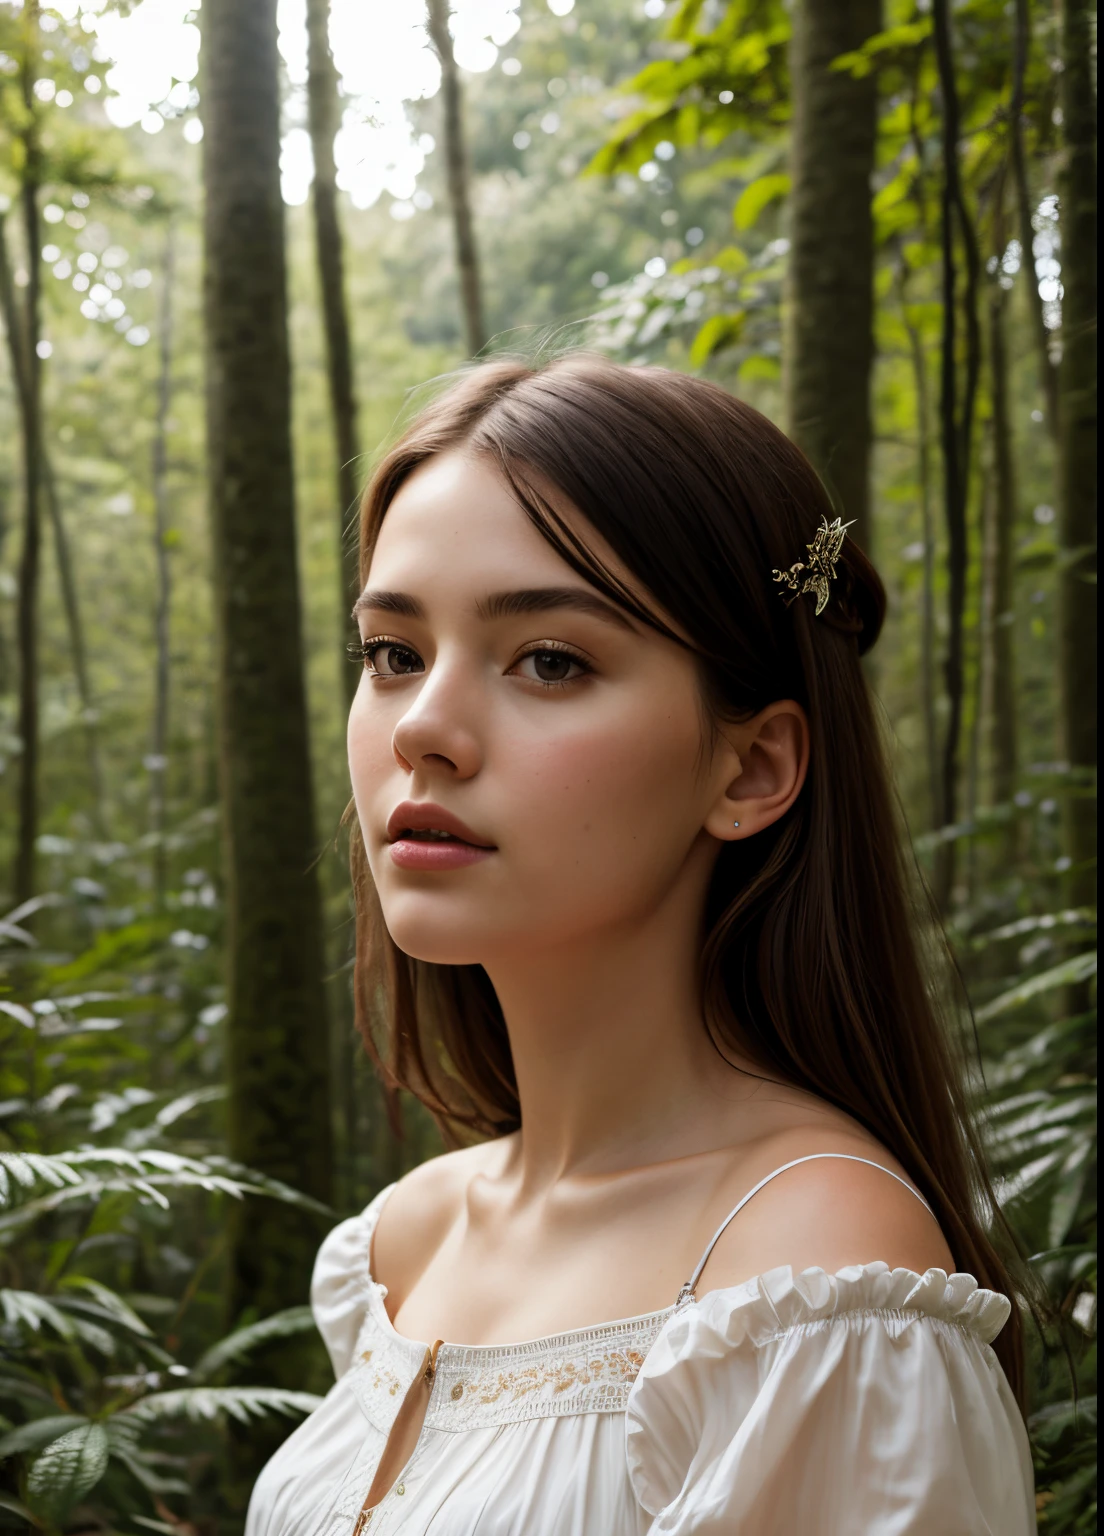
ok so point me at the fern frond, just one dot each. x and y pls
(208, 1403)
(279, 1326)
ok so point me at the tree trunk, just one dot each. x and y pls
(23, 881)
(956, 426)
(1077, 438)
(927, 601)
(47, 490)
(458, 177)
(159, 759)
(1048, 377)
(829, 351)
(323, 114)
(70, 594)
(277, 1059)
(13, 331)
(1003, 747)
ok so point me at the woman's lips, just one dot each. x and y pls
(413, 853)
(426, 836)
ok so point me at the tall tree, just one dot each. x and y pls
(1077, 433)
(323, 104)
(829, 350)
(159, 736)
(26, 341)
(956, 418)
(14, 322)
(1024, 208)
(1000, 552)
(277, 1059)
(458, 178)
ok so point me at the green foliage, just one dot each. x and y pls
(138, 1421)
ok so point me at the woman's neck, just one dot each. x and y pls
(614, 1067)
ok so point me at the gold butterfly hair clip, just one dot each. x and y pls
(815, 574)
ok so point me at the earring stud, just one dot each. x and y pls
(735, 823)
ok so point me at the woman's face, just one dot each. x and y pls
(527, 761)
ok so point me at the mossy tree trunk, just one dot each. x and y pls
(1077, 437)
(276, 1045)
(1003, 731)
(323, 111)
(26, 341)
(159, 735)
(829, 351)
(957, 403)
(1048, 380)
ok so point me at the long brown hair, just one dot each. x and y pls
(811, 962)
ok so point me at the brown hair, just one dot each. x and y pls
(811, 963)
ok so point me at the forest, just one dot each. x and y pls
(237, 243)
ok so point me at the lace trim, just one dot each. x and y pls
(589, 1372)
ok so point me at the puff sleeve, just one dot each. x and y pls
(340, 1282)
(865, 1403)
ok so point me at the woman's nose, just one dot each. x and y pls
(438, 730)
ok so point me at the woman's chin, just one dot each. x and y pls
(435, 944)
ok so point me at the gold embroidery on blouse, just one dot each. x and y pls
(386, 1379)
(616, 1367)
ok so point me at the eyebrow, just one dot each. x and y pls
(504, 605)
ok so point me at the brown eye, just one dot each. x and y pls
(387, 659)
(551, 666)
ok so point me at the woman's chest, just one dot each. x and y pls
(526, 1438)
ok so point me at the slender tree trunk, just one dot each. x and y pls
(277, 1058)
(1077, 437)
(74, 622)
(458, 178)
(956, 426)
(323, 107)
(830, 314)
(48, 494)
(927, 601)
(159, 760)
(1048, 376)
(31, 421)
(1003, 731)
(13, 330)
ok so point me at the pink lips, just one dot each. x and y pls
(460, 848)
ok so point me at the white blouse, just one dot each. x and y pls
(865, 1403)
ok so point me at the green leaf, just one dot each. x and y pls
(39, 1433)
(1077, 969)
(67, 1470)
(111, 1303)
(279, 1326)
(757, 195)
(205, 1403)
(1067, 1197)
(717, 332)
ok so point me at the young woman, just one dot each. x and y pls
(633, 925)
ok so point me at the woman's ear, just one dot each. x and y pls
(770, 754)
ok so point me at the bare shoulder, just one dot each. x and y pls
(421, 1210)
(829, 1212)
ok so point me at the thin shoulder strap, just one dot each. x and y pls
(687, 1292)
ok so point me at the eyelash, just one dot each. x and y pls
(364, 651)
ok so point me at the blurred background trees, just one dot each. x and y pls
(875, 221)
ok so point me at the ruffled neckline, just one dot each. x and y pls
(779, 1299)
